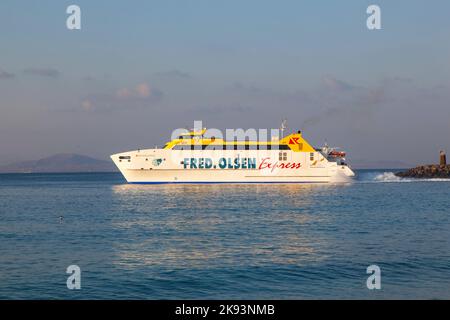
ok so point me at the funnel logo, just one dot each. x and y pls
(294, 140)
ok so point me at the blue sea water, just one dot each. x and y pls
(223, 241)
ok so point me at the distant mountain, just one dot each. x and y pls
(60, 163)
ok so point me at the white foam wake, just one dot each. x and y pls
(386, 177)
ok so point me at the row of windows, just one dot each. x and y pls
(232, 147)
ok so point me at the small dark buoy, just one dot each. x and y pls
(442, 158)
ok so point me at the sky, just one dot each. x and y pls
(137, 70)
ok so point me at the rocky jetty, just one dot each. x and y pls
(426, 171)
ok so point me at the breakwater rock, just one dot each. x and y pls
(426, 171)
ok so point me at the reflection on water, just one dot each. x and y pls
(211, 225)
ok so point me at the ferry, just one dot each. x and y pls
(194, 158)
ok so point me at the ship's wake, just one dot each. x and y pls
(390, 177)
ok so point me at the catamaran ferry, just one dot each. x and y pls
(194, 158)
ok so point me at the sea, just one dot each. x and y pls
(268, 241)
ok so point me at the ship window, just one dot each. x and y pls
(278, 147)
(311, 156)
(212, 147)
(246, 146)
(282, 156)
(178, 147)
(251, 147)
(124, 157)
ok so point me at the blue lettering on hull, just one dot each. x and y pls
(223, 163)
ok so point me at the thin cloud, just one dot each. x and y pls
(6, 75)
(248, 89)
(333, 98)
(222, 109)
(336, 85)
(86, 105)
(337, 98)
(142, 90)
(174, 74)
(263, 96)
(43, 72)
(141, 96)
(90, 77)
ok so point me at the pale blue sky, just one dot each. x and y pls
(139, 69)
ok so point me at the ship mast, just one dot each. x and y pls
(283, 127)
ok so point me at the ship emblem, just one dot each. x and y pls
(157, 162)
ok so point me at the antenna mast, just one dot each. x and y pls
(283, 127)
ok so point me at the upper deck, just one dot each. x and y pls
(195, 140)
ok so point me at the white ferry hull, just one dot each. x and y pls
(157, 166)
